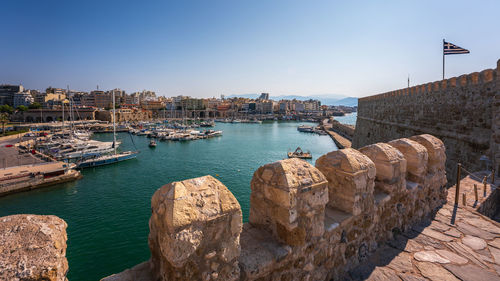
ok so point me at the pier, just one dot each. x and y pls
(22, 170)
(341, 139)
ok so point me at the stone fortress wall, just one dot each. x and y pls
(462, 111)
(306, 222)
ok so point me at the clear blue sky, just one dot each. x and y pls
(210, 47)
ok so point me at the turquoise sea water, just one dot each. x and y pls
(108, 210)
(349, 119)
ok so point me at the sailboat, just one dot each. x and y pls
(110, 158)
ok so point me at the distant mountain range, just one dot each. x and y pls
(324, 99)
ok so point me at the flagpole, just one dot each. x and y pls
(443, 58)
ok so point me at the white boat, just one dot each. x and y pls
(152, 143)
(106, 159)
(110, 158)
(305, 129)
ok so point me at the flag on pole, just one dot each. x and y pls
(452, 49)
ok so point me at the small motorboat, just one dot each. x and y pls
(152, 143)
(298, 153)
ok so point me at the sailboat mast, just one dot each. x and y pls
(114, 123)
(62, 103)
(70, 111)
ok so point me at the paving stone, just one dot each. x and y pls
(443, 219)
(436, 235)
(496, 254)
(495, 243)
(435, 272)
(408, 277)
(453, 233)
(452, 257)
(425, 240)
(401, 263)
(362, 271)
(497, 268)
(445, 212)
(398, 242)
(429, 256)
(383, 274)
(474, 243)
(484, 224)
(413, 246)
(465, 251)
(471, 272)
(383, 256)
(474, 231)
(438, 226)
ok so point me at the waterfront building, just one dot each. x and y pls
(152, 104)
(264, 96)
(23, 98)
(7, 93)
(88, 100)
(265, 107)
(118, 93)
(102, 99)
(298, 106)
(56, 91)
(311, 105)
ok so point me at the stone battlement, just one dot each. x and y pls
(306, 222)
(464, 112)
(472, 79)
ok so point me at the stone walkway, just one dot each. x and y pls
(458, 244)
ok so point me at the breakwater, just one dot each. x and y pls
(340, 133)
(463, 111)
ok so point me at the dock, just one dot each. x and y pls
(22, 171)
(340, 140)
(28, 177)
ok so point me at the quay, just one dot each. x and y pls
(28, 177)
(340, 138)
(22, 171)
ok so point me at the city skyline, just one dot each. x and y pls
(207, 49)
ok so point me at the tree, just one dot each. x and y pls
(6, 108)
(35, 105)
(22, 108)
(4, 119)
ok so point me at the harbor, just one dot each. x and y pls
(108, 209)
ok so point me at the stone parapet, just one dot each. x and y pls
(33, 247)
(288, 199)
(464, 112)
(330, 221)
(195, 231)
(306, 222)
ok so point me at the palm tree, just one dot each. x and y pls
(4, 119)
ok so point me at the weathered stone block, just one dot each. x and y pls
(288, 200)
(435, 151)
(390, 165)
(33, 248)
(416, 158)
(350, 176)
(195, 226)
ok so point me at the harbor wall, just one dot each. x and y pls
(347, 131)
(462, 111)
(306, 222)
